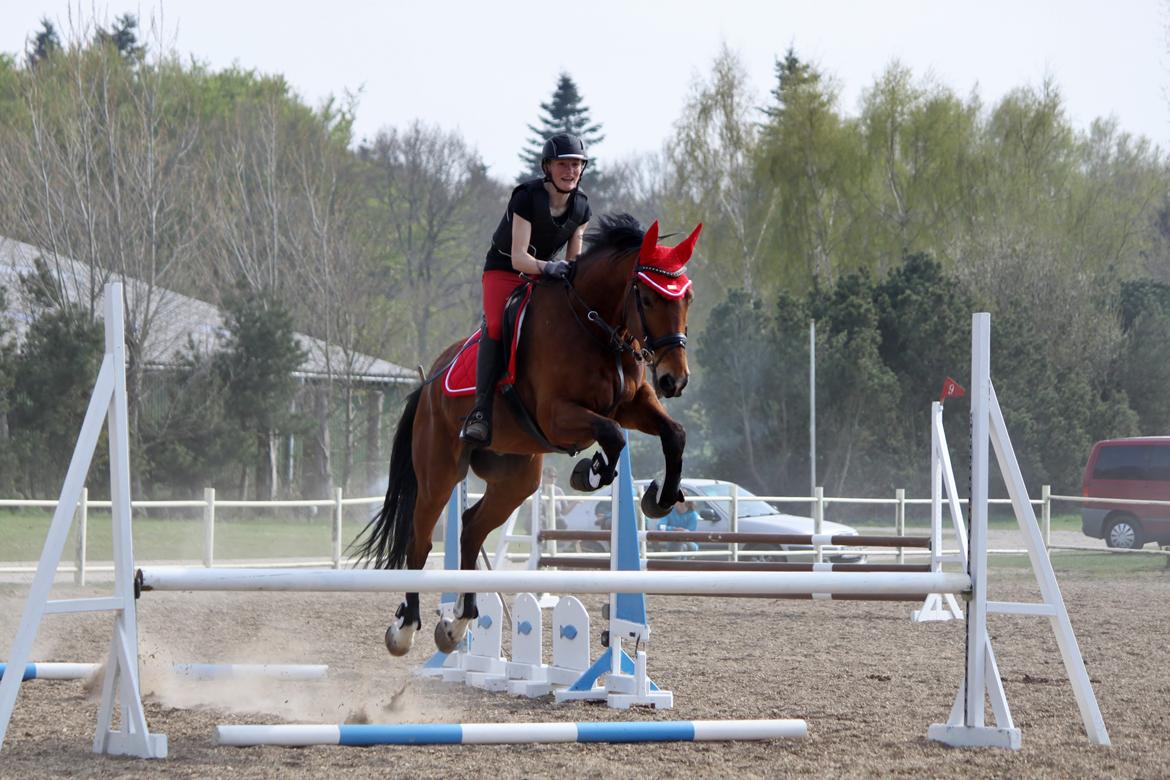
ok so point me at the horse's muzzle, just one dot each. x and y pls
(669, 387)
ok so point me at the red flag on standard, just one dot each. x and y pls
(951, 388)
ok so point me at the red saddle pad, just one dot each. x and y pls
(460, 377)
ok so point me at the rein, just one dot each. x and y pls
(649, 353)
(613, 341)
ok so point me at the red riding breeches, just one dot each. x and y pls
(497, 286)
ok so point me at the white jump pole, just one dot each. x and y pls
(53, 670)
(509, 733)
(252, 671)
(678, 583)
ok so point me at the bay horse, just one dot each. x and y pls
(596, 353)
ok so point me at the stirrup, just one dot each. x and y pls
(477, 429)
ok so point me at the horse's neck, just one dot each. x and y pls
(606, 287)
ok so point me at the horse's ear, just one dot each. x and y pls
(682, 253)
(649, 242)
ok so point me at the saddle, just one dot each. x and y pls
(459, 379)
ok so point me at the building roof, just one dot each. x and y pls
(179, 320)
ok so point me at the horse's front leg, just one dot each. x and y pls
(646, 413)
(574, 423)
(451, 631)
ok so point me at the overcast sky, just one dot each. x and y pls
(484, 67)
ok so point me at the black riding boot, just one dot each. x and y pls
(477, 428)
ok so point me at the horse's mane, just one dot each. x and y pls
(616, 235)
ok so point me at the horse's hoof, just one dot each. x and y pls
(399, 638)
(449, 634)
(579, 479)
(650, 505)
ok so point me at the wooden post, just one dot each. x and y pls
(79, 540)
(208, 526)
(900, 520)
(1046, 513)
(338, 512)
(735, 520)
(819, 520)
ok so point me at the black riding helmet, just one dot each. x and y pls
(563, 146)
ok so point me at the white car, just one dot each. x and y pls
(755, 516)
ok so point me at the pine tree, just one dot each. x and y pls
(122, 36)
(793, 76)
(256, 366)
(564, 113)
(44, 43)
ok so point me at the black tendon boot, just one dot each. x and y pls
(477, 428)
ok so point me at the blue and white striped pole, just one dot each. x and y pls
(365, 734)
(54, 671)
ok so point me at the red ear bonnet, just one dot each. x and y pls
(662, 267)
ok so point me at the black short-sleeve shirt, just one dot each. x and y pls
(549, 234)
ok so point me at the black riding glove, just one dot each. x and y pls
(555, 269)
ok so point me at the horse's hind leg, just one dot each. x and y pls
(407, 620)
(400, 633)
(423, 440)
(510, 479)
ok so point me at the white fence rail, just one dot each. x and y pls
(209, 505)
(336, 506)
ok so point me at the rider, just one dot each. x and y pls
(543, 216)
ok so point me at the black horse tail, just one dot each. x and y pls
(387, 537)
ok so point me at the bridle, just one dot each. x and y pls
(667, 341)
(650, 352)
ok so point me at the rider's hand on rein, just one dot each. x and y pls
(555, 269)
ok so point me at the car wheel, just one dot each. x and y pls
(1125, 533)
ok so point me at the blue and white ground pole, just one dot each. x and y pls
(365, 734)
